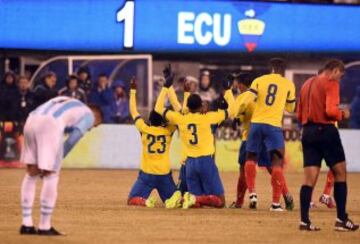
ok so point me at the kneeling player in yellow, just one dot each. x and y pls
(202, 176)
(155, 170)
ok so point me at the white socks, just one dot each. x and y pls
(48, 199)
(28, 188)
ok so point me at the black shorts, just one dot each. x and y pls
(320, 142)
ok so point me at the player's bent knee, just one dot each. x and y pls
(276, 155)
(33, 170)
(46, 173)
(339, 171)
(251, 156)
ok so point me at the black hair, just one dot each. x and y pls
(277, 65)
(96, 109)
(194, 102)
(72, 77)
(334, 64)
(244, 78)
(102, 75)
(83, 70)
(156, 119)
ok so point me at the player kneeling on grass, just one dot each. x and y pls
(155, 170)
(44, 150)
(202, 176)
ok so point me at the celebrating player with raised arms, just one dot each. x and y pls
(155, 172)
(181, 186)
(273, 94)
(43, 151)
(202, 176)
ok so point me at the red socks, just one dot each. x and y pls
(329, 183)
(250, 173)
(285, 189)
(137, 201)
(209, 200)
(277, 182)
(241, 188)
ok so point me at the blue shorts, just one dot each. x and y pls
(182, 186)
(202, 176)
(263, 158)
(261, 134)
(145, 183)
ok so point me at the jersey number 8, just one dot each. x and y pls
(271, 92)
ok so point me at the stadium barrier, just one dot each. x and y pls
(119, 146)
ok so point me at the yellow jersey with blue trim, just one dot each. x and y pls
(273, 94)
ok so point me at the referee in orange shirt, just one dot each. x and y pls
(318, 111)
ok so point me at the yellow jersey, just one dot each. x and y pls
(273, 94)
(194, 128)
(184, 110)
(245, 115)
(155, 156)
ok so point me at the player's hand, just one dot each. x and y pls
(345, 113)
(227, 83)
(168, 75)
(186, 86)
(222, 104)
(133, 83)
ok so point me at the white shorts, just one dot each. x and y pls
(43, 143)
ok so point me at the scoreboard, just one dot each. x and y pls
(178, 26)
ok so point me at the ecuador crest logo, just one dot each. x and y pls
(251, 29)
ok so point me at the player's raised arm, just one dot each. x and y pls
(291, 99)
(139, 122)
(185, 108)
(160, 102)
(229, 97)
(133, 109)
(173, 99)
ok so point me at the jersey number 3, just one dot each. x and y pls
(153, 140)
(271, 92)
(193, 129)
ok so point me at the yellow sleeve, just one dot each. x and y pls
(185, 109)
(173, 117)
(229, 97)
(160, 102)
(173, 99)
(243, 101)
(291, 99)
(133, 110)
(254, 88)
(139, 122)
(141, 125)
(217, 117)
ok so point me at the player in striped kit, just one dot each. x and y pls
(43, 151)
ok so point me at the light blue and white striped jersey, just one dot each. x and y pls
(69, 112)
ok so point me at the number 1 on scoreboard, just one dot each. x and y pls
(126, 14)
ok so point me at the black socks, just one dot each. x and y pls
(340, 195)
(305, 199)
